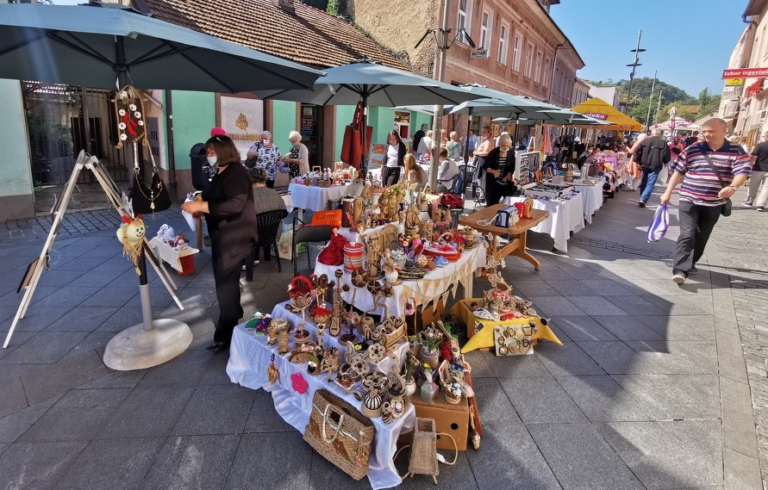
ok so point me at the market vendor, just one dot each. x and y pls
(297, 157)
(228, 207)
(499, 168)
(265, 155)
(390, 174)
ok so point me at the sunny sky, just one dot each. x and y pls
(688, 41)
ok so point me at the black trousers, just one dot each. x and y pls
(390, 176)
(228, 295)
(696, 224)
(493, 190)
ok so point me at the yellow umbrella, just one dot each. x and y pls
(602, 110)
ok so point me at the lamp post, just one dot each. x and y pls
(634, 66)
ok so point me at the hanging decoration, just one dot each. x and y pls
(131, 235)
(129, 114)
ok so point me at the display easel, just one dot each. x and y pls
(144, 345)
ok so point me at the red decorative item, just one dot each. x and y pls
(333, 253)
(452, 201)
(299, 384)
(300, 286)
(353, 256)
(352, 145)
(445, 351)
(435, 250)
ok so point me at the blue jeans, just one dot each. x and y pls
(647, 183)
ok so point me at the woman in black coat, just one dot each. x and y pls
(229, 212)
(499, 165)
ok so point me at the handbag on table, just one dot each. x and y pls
(340, 434)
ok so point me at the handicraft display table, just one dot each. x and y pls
(518, 234)
(315, 198)
(565, 216)
(249, 360)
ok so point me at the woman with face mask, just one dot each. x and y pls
(229, 212)
(266, 156)
(297, 158)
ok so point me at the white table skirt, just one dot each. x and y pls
(564, 217)
(314, 198)
(249, 358)
(423, 291)
(592, 198)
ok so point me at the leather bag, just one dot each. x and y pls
(352, 144)
(340, 434)
(148, 199)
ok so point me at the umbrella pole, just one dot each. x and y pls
(466, 153)
(363, 164)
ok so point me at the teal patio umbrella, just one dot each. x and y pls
(108, 47)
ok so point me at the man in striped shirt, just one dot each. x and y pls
(702, 197)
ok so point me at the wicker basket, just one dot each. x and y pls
(424, 450)
(340, 434)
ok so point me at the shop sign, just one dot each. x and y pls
(731, 93)
(734, 82)
(745, 73)
(480, 53)
(597, 115)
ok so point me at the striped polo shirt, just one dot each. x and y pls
(700, 185)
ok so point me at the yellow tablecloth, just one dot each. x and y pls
(484, 338)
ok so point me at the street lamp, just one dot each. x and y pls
(634, 66)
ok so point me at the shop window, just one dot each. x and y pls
(464, 18)
(403, 124)
(485, 31)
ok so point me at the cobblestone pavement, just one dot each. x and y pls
(656, 386)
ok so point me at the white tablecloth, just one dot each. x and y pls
(564, 217)
(314, 198)
(249, 357)
(431, 288)
(592, 197)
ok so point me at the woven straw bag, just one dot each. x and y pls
(340, 434)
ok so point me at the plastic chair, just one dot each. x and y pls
(307, 235)
(267, 224)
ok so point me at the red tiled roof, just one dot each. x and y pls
(311, 36)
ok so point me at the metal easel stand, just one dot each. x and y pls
(138, 347)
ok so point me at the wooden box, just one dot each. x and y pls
(450, 419)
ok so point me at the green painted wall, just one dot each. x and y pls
(194, 114)
(383, 121)
(283, 122)
(344, 115)
(15, 172)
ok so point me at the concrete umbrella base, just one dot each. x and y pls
(139, 348)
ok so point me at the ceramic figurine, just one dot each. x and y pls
(331, 362)
(372, 404)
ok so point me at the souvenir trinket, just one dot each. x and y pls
(272, 372)
(371, 407)
(331, 362)
(131, 235)
(338, 314)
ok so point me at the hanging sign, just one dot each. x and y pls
(597, 115)
(745, 73)
(734, 82)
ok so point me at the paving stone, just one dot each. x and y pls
(106, 463)
(82, 319)
(69, 296)
(78, 416)
(701, 327)
(44, 348)
(192, 462)
(635, 305)
(606, 287)
(499, 410)
(117, 379)
(18, 339)
(542, 400)
(534, 288)
(571, 287)
(288, 446)
(682, 305)
(70, 372)
(627, 328)
(185, 370)
(567, 360)
(679, 357)
(13, 398)
(581, 459)
(659, 458)
(510, 459)
(148, 412)
(675, 397)
(14, 425)
(550, 306)
(582, 328)
(36, 319)
(125, 317)
(84, 264)
(596, 305)
(741, 472)
(37, 466)
(263, 417)
(13, 299)
(616, 357)
(59, 278)
(216, 410)
(603, 400)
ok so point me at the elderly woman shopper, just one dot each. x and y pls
(228, 207)
(499, 167)
(266, 156)
(264, 199)
(396, 151)
(297, 157)
(454, 147)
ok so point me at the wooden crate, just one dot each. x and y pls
(450, 419)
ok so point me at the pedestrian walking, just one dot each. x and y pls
(711, 172)
(759, 159)
(390, 174)
(652, 153)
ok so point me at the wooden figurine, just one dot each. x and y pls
(338, 314)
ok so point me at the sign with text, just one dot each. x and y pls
(745, 73)
(597, 115)
(480, 53)
(378, 155)
(731, 93)
(734, 82)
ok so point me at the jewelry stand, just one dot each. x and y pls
(138, 347)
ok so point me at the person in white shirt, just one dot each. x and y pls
(447, 171)
(396, 150)
(425, 145)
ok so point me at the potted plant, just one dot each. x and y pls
(431, 338)
(410, 380)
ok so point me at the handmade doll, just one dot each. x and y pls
(333, 253)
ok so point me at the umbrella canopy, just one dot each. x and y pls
(376, 85)
(602, 110)
(94, 46)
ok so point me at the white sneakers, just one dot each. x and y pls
(679, 278)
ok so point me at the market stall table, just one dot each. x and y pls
(565, 216)
(432, 287)
(314, 198)
(518, 234)
(249, 358)
(592, 198)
